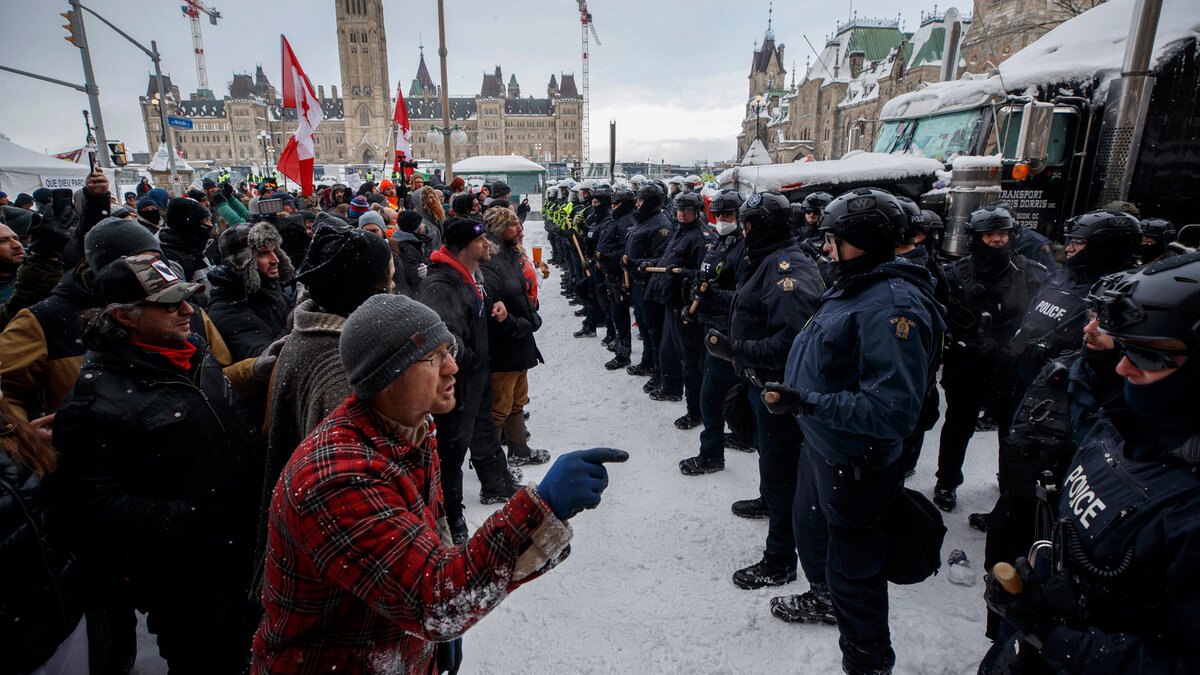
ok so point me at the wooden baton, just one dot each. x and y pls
(696, 303)
(582, 259)
(1007, 575)
(771, 397)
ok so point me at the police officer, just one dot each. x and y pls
(610, 248)
(1098, 243)
(1116, 588)
(1156, 234)
(855, 379)
(712, 297)
(811, 209)
(674, 186)
(647, 239)
(549, 213)
(593, 314)
(989, 291)
(599, 214)
(776, 296)
(681, 350)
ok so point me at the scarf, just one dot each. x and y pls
(443, 255)
(181, 357)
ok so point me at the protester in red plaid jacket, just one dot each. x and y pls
(361, 576)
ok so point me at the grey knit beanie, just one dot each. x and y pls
(114, 238)
(372, 217)
(384, 337)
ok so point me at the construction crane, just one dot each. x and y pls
(585, 18)
(192, 9)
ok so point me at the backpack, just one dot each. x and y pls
(915, 534)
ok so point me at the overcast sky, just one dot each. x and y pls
(672, 74)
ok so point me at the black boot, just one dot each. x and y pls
(640, 370)
(945, 498)
(814, 606)
(734, 443)
(689, 421)
(700, 465)
(617, 362)
(520, 454)
(660, 395)
(751, 508)
(582, 311)
(763, 573)
(458, 531)
(585, 331)
(653, 384)
(496, 483)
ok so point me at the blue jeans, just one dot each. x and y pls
(779, 439)
(839, 519)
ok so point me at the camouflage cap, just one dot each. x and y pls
(143, 278)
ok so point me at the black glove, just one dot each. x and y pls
(226, 190)
(719, 345)
(449, 656)
(1028, 611)
(643, 265)
(49, 237)
(705, 293)
(781, 400)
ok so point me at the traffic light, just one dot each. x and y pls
(70, 26)
(116, 152)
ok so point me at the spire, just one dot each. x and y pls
(770, 34)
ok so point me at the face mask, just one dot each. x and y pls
(151, 216)
(723, 228)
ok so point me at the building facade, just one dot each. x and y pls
(250, 127)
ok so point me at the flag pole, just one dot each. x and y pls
(391, 165)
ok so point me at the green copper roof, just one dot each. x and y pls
(415, 89)
(931, 51)
(512, 81)
(874, 42)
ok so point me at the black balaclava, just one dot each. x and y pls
(990, 262)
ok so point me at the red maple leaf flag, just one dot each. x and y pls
(403, 134)
(296, 161)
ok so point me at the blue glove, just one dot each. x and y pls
(577, 479)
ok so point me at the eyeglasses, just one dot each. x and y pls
(438, 359)
(169, 308)
(1149, 358)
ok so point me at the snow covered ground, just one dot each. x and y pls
(647, 587)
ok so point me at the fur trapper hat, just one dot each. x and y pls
(239, 245)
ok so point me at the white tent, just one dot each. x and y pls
(25, 170)
(159, 161)
(524, 177)
(756, 154)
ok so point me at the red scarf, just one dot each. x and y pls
(443, 255)
(181, 357)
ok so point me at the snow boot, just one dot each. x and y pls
(640, 370)
(608, 339)
(458, 531)
(520, 454)
(617, 362)
(655, 382)
(762, 574)
(945, 498)
(497, 484)
(688, 421)
(978, 521)
(734, 443)
(582, 311)
(750, 508)
(700, 465)
(585, 331)
(660, 395)
(813, 606)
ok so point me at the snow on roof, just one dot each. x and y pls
(756, 154)
(159, 162)
(854, 167)
(497, 164)
(977, 161)
(1089, 46)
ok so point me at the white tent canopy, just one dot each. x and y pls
(756, 154)
(497, 164)
(159, 162)
(25, 170)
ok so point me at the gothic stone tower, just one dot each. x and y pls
(366, 94)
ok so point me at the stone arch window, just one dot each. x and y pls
(368, 157)
(364, 116)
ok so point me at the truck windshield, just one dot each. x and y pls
(939, 137)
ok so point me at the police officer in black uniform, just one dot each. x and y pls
(775, 298)
(712, 296)
(681, 351)
(1115, 589)
(610, 248)
(1156, 234)
(856, 376)
(647, 239)
(989, 291)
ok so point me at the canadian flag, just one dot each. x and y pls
(296, 161)
(403, 134)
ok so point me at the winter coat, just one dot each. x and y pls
(465, 308)
(684, 250)
(41, 349)
(776, 297)
(360, 565)
(35, 280)
(610, 242)
(233, 211)
(647, 240)
(178, 250)
(722, 268)
(161, 470)
(864, 361)
(511, 344)
(411, 257)
(248, 324)
(307, 384)
(1036, 247)
(1004, 296)
(95, 209)
(43, 597)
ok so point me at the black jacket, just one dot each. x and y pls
(777, 295)
(161, 470)
(723, 267)
(647, 240)
(177, 249)
(511, 344)
(407, 278)
(248, 325)
(611, 240)
(684, 250)
(43, 594)
(466, 315)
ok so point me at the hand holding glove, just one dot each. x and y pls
(265, 363)
(1027, 609)
(719, 345)
(781, 400)
(577, 479)
(49, 236)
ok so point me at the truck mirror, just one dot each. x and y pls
(1034, 137)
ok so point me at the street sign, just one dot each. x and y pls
(179, 122)
(176, 179)
(127, 176)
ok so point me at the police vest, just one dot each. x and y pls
(1052, 325)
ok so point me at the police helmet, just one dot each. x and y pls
(651, 197)
(565, 183)
(1162, 230)
(816, 202)
(916, 221)
(624, 196)
(766, 208)
(1160, 301)
(1112, 238)
(689, 201)
(692, 180)
(662, 187)
(867, 218)
(637, 180)
(586, 184)
(675, 180)
(602, 193)
(989, 219)
(933, 222)
(728, 201)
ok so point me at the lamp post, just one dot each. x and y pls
(446, 135)
(758, 105)
(262, 137)
(448, 175)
